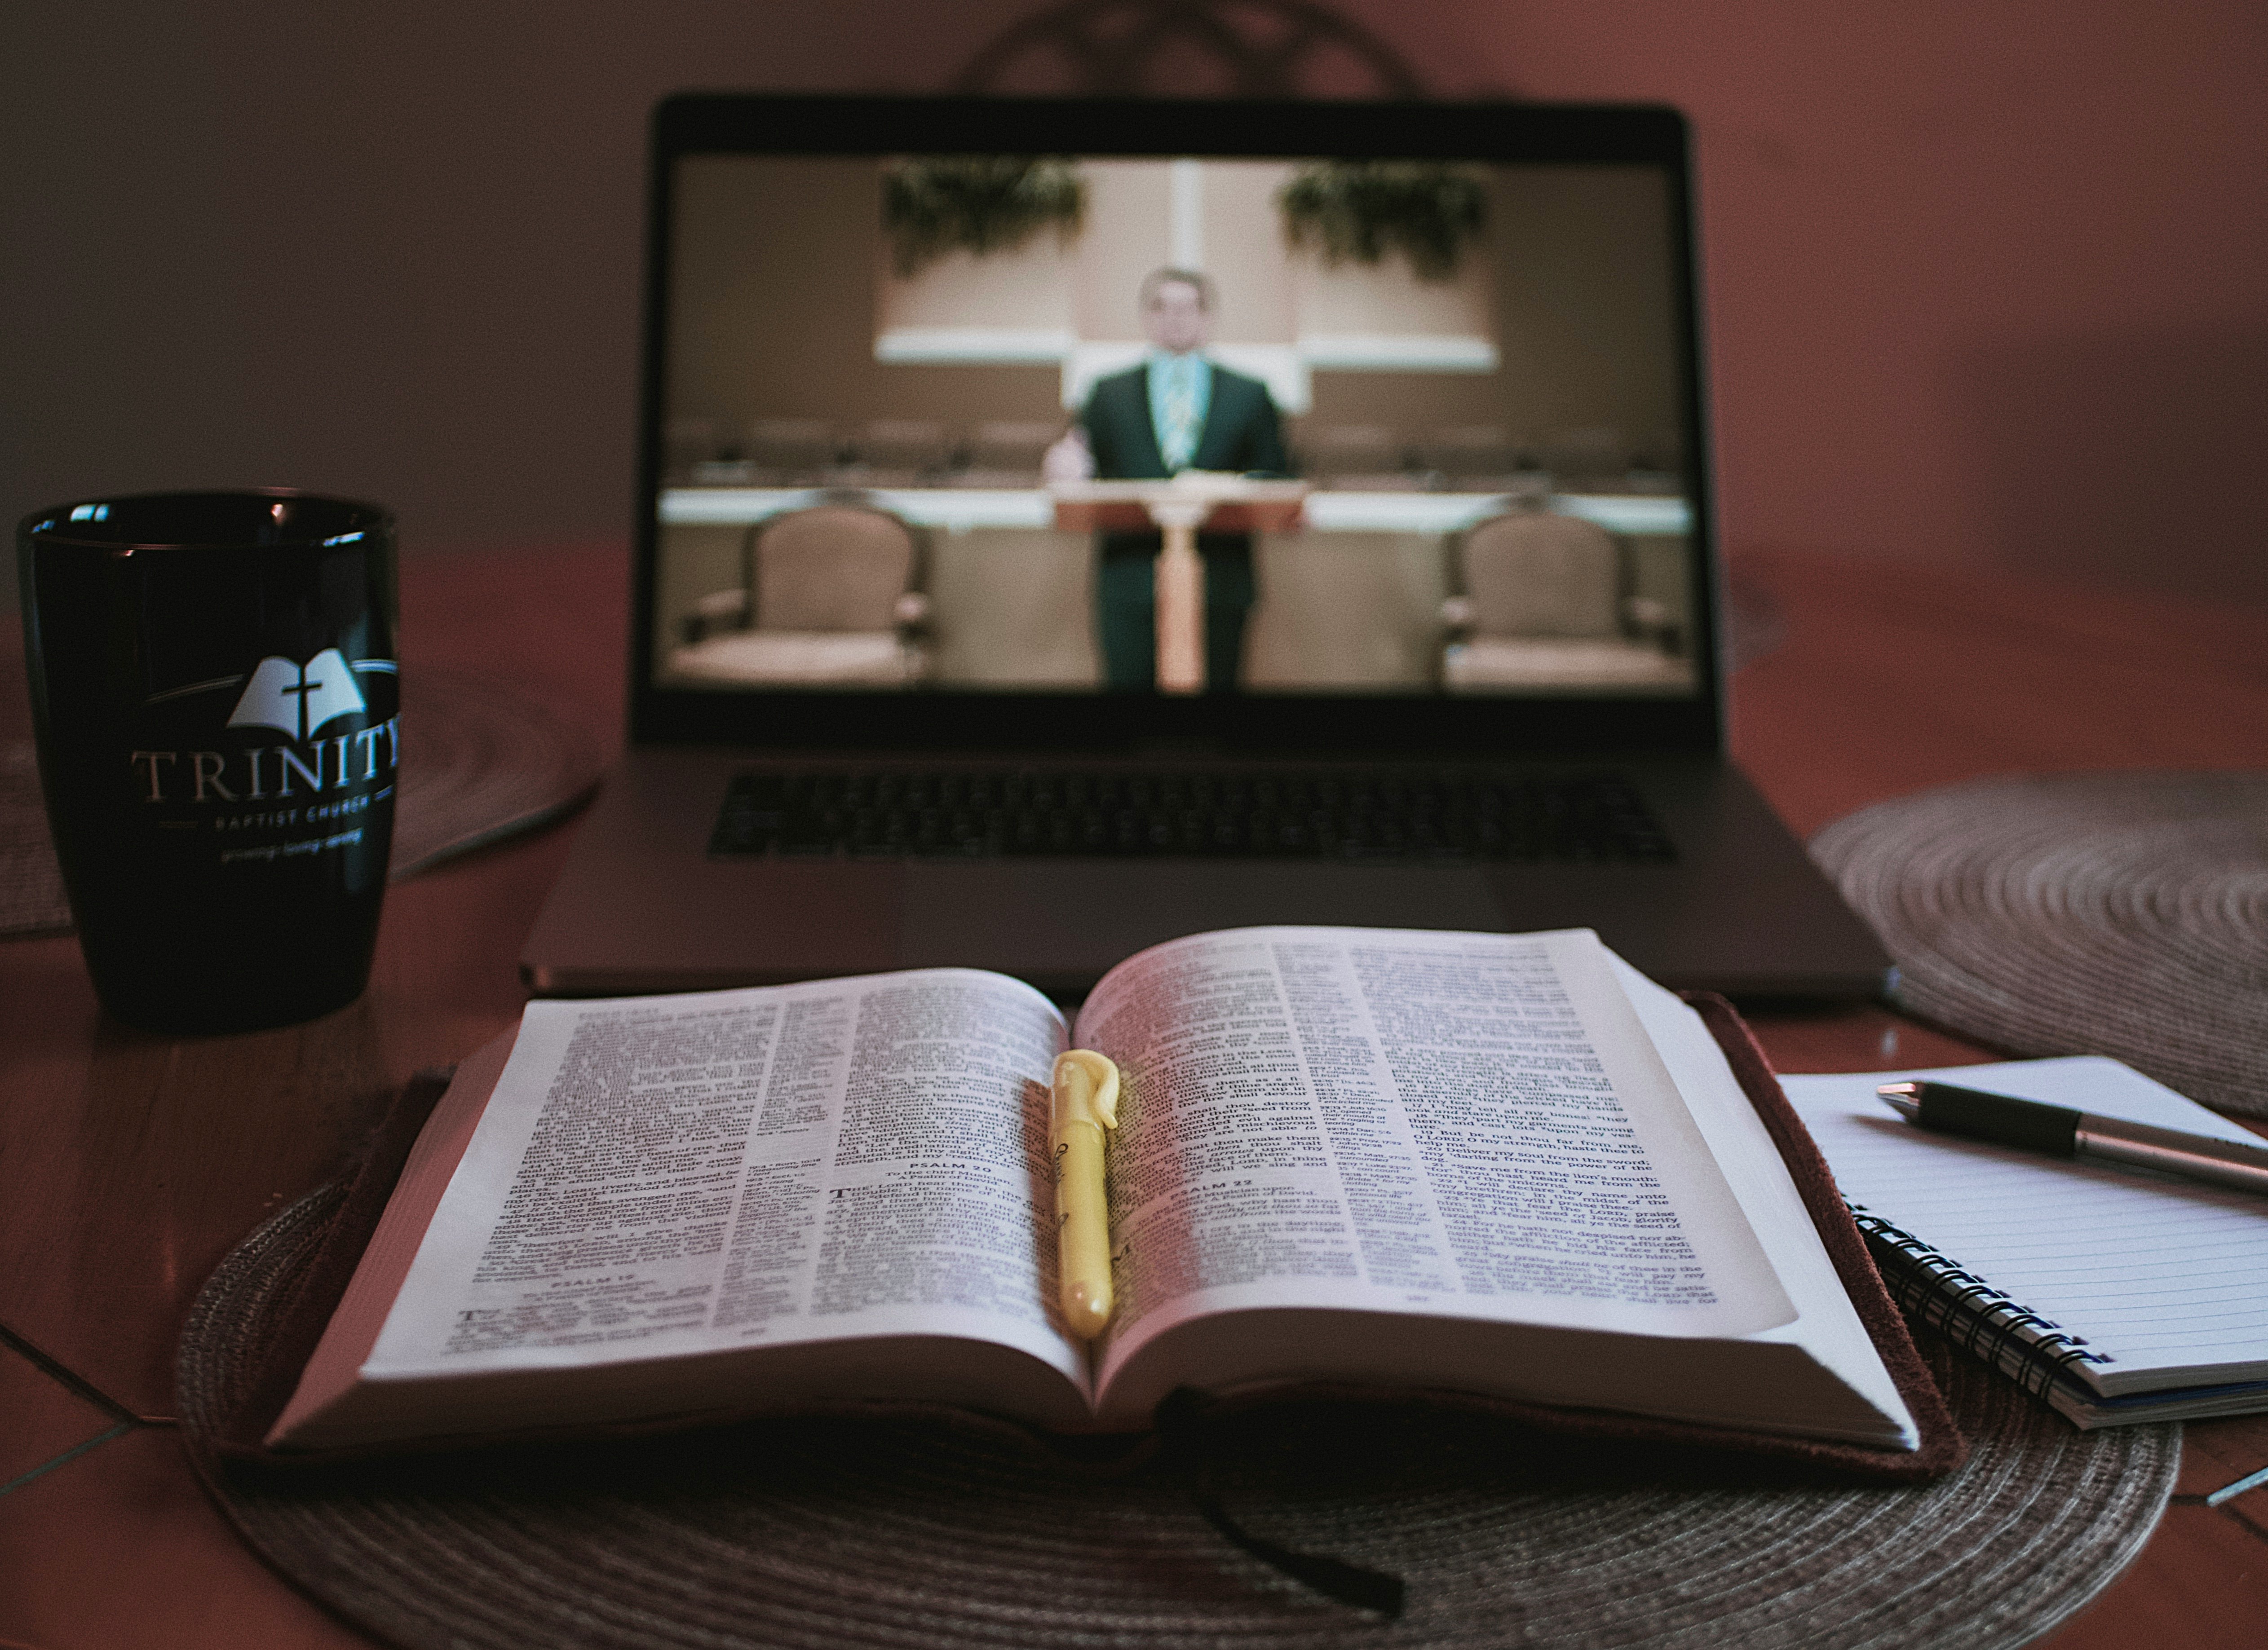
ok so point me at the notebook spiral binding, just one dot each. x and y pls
(1930, 1286)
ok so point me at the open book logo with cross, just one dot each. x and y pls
(298, 700)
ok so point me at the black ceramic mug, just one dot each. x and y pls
(217, 698)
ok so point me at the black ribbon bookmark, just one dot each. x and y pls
(1181, 1420)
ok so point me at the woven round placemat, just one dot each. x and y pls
(480, 761)
(2123, 914)
(918, 1537)
(30, 883)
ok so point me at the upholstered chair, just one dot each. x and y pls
(830, 595)
(1541, 605)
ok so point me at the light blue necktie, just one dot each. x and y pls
(1178, 384)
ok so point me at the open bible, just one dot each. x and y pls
(1500, 1166)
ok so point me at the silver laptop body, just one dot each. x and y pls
(915, 426)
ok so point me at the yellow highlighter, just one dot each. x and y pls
(1083, 1102)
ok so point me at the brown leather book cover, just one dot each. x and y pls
(287, 1337)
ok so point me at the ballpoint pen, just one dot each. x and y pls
(2064, 1132)
(1083, 1103)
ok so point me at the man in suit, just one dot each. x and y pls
(1178, 410)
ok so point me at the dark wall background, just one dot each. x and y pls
(1988, 285)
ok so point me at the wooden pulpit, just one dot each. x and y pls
(1210, 500)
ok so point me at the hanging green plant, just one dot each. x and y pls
(936, 204)
(1360, 210)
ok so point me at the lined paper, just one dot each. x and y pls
(2166, 1277)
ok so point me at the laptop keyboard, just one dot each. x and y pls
(1396, 815)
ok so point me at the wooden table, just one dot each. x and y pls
(130, 1163)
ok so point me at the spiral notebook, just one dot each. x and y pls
(2118, 1296)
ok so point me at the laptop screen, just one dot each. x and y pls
(1397, 427)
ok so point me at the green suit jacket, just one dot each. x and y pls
(1241, 430)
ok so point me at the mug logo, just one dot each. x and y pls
(298, 700)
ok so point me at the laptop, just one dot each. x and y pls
(1066, 525)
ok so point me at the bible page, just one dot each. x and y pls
(1828, 1328)
(1464, 1126)
(720, 1170)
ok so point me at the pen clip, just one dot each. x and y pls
(1084, 1088)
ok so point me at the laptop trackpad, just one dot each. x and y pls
(1059, 923)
